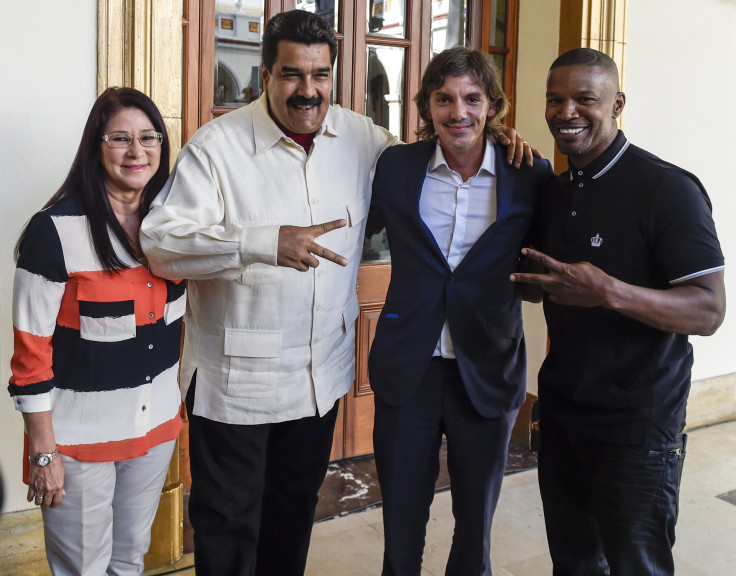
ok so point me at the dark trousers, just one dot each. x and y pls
(609, 509)
(254, 492)
(407, 441)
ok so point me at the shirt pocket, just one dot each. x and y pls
(259, 273)
(106, 311)
(357, 211)
(254, 361)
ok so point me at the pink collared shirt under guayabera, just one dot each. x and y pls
(457, 213)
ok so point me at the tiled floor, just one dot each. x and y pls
(352, 545)
(706, 546)
(352, 485)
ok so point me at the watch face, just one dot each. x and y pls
(43, 460)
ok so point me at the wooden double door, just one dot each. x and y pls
(384, 45)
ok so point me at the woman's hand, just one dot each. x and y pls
(46, 485)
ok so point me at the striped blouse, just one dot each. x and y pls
(98, 349)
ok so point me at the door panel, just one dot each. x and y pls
(373, 282)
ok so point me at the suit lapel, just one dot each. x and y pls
(414, 183)
(504, 191)
(504, 194)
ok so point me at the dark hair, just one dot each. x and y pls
(296, 26)
(459, 61)
(86, 178)
(588, 57)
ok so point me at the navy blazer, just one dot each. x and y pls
(481, 304)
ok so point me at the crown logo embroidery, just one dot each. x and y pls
(596, 241)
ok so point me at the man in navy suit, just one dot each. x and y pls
(448, 355)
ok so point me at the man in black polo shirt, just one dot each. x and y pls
(633, 266)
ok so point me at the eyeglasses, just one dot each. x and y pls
(124, 140)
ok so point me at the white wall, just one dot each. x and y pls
(49, 74)
(681, 87)
(680, 82)
(538, 45)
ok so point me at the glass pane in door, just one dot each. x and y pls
(384, 104)
(498, 23)
(386, 18)
(449, 24)
(325, 8)
(500, 62)
(238, 33)
(384, 87)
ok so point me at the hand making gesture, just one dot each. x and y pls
(693, 306)
(297, 246)
(580, 284)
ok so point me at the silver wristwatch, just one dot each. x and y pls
(44, 458)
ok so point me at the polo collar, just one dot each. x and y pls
(604, 162)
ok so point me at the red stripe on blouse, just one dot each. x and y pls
(32, 358)
(103, 286)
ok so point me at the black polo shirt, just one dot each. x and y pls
(647, 223)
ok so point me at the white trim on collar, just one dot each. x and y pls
(608, 166)
(613, 161)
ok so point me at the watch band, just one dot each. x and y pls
(44, 458)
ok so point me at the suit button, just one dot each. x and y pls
(451, 279)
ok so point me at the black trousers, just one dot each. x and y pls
(407, 441)
(610, 510)
(254, 492)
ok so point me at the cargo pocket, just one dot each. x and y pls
(259, 273)
(254, 357)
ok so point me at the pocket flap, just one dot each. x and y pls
(252, 343)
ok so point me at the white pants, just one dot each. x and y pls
(103, 524)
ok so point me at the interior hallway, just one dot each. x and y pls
(352, 545)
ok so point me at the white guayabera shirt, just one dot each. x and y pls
(269, 343)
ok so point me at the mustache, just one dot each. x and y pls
(297, 100)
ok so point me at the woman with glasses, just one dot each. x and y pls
(94, 370)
